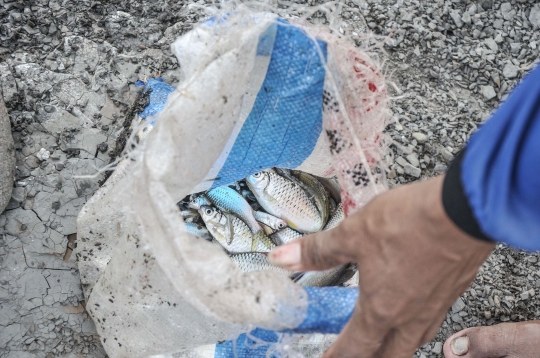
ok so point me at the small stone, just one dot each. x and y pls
(16, 16)
(534, 16)
(447, 155)
(437, 348)
(454, 14)
(510, 70)
(457, 318)
(392, 174)
(515, 47)
(43, 154)
(413, 159)
(492, 45)
(420, 137)
(488, 92)
(487, 314)
(486, 4)
(401, 161)
(412, 171)
(18, 194)
(466, 18)
(507, 12)
(440, 168)
(524, 296)
(458, 305)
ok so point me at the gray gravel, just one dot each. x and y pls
(67, 74)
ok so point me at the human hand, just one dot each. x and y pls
(413, 263)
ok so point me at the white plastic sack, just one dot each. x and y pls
(258, 92)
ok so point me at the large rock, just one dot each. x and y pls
(7, 157)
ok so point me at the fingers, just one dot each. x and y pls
(318, 251)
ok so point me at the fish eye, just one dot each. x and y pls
(281, 225)
(257, 175)
(208, 211)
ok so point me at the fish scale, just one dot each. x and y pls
(285, 236)
(283, 198)
(254, 261)
(337, 216)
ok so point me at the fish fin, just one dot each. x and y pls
(261, 236)
(254, 243)
(230, 229)
(267, 229)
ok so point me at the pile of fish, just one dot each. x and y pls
(267, 209)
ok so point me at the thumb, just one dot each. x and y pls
(318, 251)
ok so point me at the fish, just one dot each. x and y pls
(198, 230)
(337, 216)
(186, 214)
(322, 278)
(286, 200)
(333, 205)
(197, 201)
(229, 201)
(270, 220)
(332, 186)
(248, 195)
(285, 236)
(317, 191)
(254, 261)
(232, 233)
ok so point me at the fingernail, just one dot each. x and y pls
(460, 345)
(286, 255)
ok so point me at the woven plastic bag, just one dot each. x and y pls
(257, 92)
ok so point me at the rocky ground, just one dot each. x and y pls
(68, 71)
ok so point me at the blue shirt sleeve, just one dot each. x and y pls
(500, 169)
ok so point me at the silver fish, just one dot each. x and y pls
(197, 201)
(232, 233)
(332, 186)
(322, 278)
(285, 236)
(198, 230)
(337, 216)
(287, 200)
(270, 220)
(248, 195)
(186, 214)
(333, 205)
(229, 201)
(254, 261)
(317, 191)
